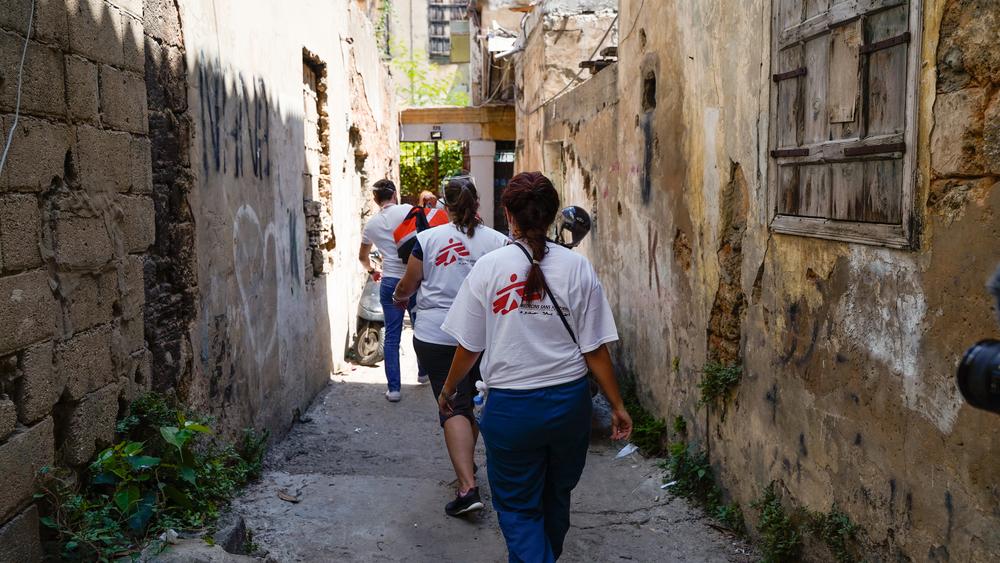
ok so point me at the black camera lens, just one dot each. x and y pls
(979, 375)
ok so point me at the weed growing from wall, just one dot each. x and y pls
(837, 531)
(718, 381)
(164, 473)
(649, 433)
(780, 538)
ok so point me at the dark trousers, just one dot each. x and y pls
(435, 361)
(536, 447)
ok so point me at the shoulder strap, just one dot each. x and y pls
(552, 298)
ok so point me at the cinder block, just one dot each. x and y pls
(43, 83)
(82, 242)
(90, 298)
(24, 453)
(105, 159)
(37, 154)
(28, 309)
(123, 100)
(95, 29)
(90, 425)
(138, 222)
(161, 20)
(81, 87)
(140, 166)
(86, 362)
(20, 225)
(49, 25)
(133, 294)
(134, 42)
(19, 539)
(8, 417)
(40, 385)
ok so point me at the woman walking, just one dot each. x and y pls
(539, 312)
(440, 261)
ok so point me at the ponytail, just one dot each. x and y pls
(532, 202)
(462, 200)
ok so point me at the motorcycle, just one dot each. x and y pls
(369, 340)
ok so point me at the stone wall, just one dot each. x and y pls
(849, 351)
(76, 218)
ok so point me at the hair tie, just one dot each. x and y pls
(536, 262)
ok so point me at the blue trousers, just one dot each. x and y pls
(393, 329)
(536, 447)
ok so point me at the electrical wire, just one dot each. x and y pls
(634, 22)
(578, 73)
(20, 76)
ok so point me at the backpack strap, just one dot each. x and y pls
(552, 298)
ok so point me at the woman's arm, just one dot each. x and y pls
(599, 362)
(411, 280)
(460, 367)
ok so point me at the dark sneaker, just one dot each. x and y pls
(464, 504)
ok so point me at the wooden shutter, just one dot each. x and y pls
(840, 109)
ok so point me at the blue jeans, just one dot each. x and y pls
(393, 329)
(536, 447)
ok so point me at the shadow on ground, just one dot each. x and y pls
(371, 479)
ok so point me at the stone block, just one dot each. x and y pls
(90, 425)
(8, 417)
(43, 84)
(168, 90)
(162, 21)
(21, 456)
(81, 89)
(28, 309)
(49, 25)
(19, 539)
(90, 299)
(82, 242)
(86, 362)
(105, 159)
(123, 100)
(20, 225)
(133, 7)
(958, 126)
(991, 137)
(134, 43)
(40, 385)
(37, 154)
(95, 31)
(138, 222)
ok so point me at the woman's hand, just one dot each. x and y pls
(621, 424)
(445, 400)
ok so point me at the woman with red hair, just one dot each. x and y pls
(538, 316)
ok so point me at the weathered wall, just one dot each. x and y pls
(76, 218)
(269, 327)
(848, 350)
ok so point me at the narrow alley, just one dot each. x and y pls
(371, 479)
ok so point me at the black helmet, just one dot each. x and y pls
(575, 220)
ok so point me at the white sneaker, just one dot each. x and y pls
(392, 396)
(423, 379)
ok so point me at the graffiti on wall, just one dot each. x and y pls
(231, 111)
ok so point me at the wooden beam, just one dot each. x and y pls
(497, 121)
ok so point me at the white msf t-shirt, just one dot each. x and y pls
(448, 256)
(526, 345)
(379, 231)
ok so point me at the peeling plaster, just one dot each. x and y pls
(883, 313)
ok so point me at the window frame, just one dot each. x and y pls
(901, 236)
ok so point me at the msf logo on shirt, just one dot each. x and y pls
(451, 253)
(509, 298)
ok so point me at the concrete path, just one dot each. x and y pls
(372, 479)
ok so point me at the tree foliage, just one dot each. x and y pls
(416, 165)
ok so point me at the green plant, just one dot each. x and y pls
(649, 433)
(731, 516)
(680, 426)
(780, 538)
(422, 86)
(174, 477)
(718, 380)
(837, 531)
(416, 165)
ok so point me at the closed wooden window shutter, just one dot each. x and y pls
(840, 109)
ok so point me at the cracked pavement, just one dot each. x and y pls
(371, 479)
